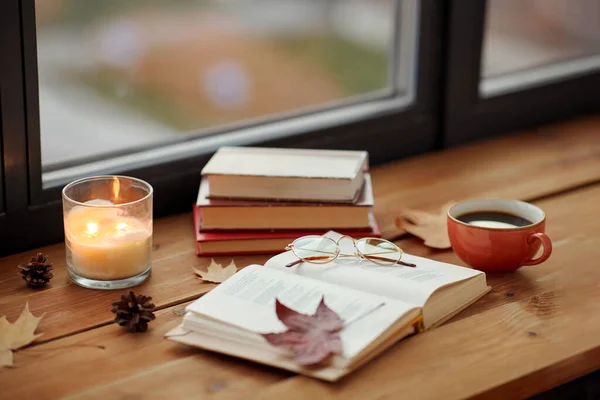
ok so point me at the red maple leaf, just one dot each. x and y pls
(312, 338)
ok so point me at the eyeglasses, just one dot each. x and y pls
(321, 250)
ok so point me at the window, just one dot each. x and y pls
(514, 64)
(122, 84)
(116, 76)
(532, 42)
(151, 88)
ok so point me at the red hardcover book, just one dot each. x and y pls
(258, 242)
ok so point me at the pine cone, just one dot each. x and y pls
(134, 311)
(37, 271)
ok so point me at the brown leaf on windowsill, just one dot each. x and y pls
(390, 230)
(216, 272)
(16, 335)
(431, 227)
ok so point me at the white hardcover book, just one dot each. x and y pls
(286, 174)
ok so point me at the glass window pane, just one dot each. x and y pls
(116, 75)
(530, 35)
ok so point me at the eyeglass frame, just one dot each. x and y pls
(357, 253)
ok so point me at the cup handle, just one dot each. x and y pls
(547, 245)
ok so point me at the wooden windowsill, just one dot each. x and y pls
(532, 332)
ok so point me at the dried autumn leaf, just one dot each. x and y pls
(390, 230)
(431, 227)
(312, 338)
(16, 335)
(6, 357)
(216, 272)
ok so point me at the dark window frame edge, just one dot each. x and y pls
(469, 116)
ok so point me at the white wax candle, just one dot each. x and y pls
(105, 245)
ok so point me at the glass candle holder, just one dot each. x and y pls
(108, 231)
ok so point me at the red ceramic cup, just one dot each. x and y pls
(492, 247)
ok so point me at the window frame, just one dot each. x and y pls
(469, 116)
(33, 214)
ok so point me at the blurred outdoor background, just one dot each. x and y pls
(526, 34)
(119, 74)
(116, 75)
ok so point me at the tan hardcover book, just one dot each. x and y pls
(381, 305)
(286, 174)
(226, 214)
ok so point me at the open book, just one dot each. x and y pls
(379, 305)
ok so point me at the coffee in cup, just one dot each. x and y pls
(496, 235)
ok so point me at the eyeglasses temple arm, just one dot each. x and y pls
(299, 261)
(387, 259)
(406, 264)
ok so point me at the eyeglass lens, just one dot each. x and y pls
(315, 249)
(379, 251)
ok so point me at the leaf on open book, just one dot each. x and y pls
(312, 338)
(216, 272)
(16, 335)
(431, 227)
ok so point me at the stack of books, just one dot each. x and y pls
(257, 200)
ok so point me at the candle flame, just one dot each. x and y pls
(92, 228)
(116, 187)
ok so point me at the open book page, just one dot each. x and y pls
(204, 338)
(410, 284)
(246, 300)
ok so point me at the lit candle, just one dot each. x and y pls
(106, 240)
(105, 245)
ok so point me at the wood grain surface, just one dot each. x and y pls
(535, 323)
(537, 329)
(70, 308)
(529, 166)
(534, 331)
(105, 362)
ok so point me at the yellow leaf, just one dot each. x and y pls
(216, 273)
(18, 334)
(431, 227)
